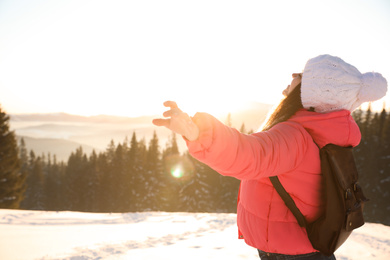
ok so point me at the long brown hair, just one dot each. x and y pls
(286, 108)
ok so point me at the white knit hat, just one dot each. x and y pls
(329, 84)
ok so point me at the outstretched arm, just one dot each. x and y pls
(178, 121)
(232, 153)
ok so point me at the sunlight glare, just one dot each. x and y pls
(177, 172)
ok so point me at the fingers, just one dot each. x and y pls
(178, 121)
(161, 122)
(171, 104)
(173, 112)
(294, 75)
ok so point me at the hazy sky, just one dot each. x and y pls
(127, 57)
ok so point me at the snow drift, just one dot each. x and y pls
(148, 235)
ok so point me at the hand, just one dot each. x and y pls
(178, 121)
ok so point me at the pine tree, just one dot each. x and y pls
(24, 162)
(127, 178)
(50, 186)
(103, 195)
(11, 179)
(77, 181)
(153, 153)
(94, 182)
(382, 123)
(372, 158)
(227, 194)
(119, 181)
(385, 135)
(34, 198)
(23, 155)
(383, 169)
(53, 185)
(107, 188)
(242, 128)
(229, 120)
(174, 171)
(198, 192)
(152, 170)
(134, 165)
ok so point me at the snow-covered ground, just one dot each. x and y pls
(148, 235)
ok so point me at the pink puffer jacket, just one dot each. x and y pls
(286, 150)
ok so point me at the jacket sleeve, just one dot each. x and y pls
(260, 155)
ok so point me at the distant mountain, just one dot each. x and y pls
(64, 117)
(62, 133)
(59, 147)
(252, 115)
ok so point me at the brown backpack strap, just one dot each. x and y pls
(288, 201)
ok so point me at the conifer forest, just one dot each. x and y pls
(138, 175)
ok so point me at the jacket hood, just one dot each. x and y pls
(337, 127)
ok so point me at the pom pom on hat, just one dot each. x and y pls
(374, 87)
(330, 84)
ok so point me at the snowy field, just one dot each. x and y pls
(149, 235)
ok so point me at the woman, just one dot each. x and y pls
(316, 111)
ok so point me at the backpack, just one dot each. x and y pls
(344, 200)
